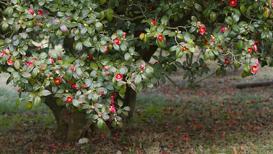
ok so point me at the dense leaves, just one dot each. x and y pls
(86, 53)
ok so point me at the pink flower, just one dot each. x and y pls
(124, 35)
(63, 28)
(106, 68)
(223, 29)
(51, 60)
(255, 47)
(142, 68)
(3, 53)
(119, 77)
(112, 109)
(31, 11)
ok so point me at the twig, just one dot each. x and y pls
(210, 75)
(5, 3)
(173, 82)
(128, 18)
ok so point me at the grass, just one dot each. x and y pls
(8, 100)
(14, 114)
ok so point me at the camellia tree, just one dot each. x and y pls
(87, 59)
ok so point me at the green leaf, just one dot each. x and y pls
(236, 17)
(126, 108)
(17, 64)
(87, 43)
(127, 56)
(138, 79)
(37, 100)
(123, 47)
(198, 7)
(45, 93)
(103, 2)
(5, 25)
(109, 14)
(29, 105)
(149, 70)
(229, 20)
(99, 26)
(101, 124)
(26, 74)
(78, 46)
(76, 103)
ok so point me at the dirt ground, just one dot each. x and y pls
(214, 117)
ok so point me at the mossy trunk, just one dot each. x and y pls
(71, 125)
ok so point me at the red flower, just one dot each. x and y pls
(74, 86)
(227, 61)
(153, 22)
(10, 62)
(255, 68)
(40, 12)
(160, 38)
(112, 109)
(249, 50)
(119, 77)
(90, 56)
(60, 58)
(31, 11)
(58, 81)
(29, 63)
(257, 42)
(202, 29)
(233, 3)
(117, 41)
(69, 99)
(186, 137)
(223, 29)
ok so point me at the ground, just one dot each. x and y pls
(214, 117)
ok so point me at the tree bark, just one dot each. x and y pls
(254, 84)
(71, 125)
(130, 100)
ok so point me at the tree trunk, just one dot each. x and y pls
(71, 125)
(130, 100)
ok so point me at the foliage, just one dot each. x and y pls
(87, 53)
